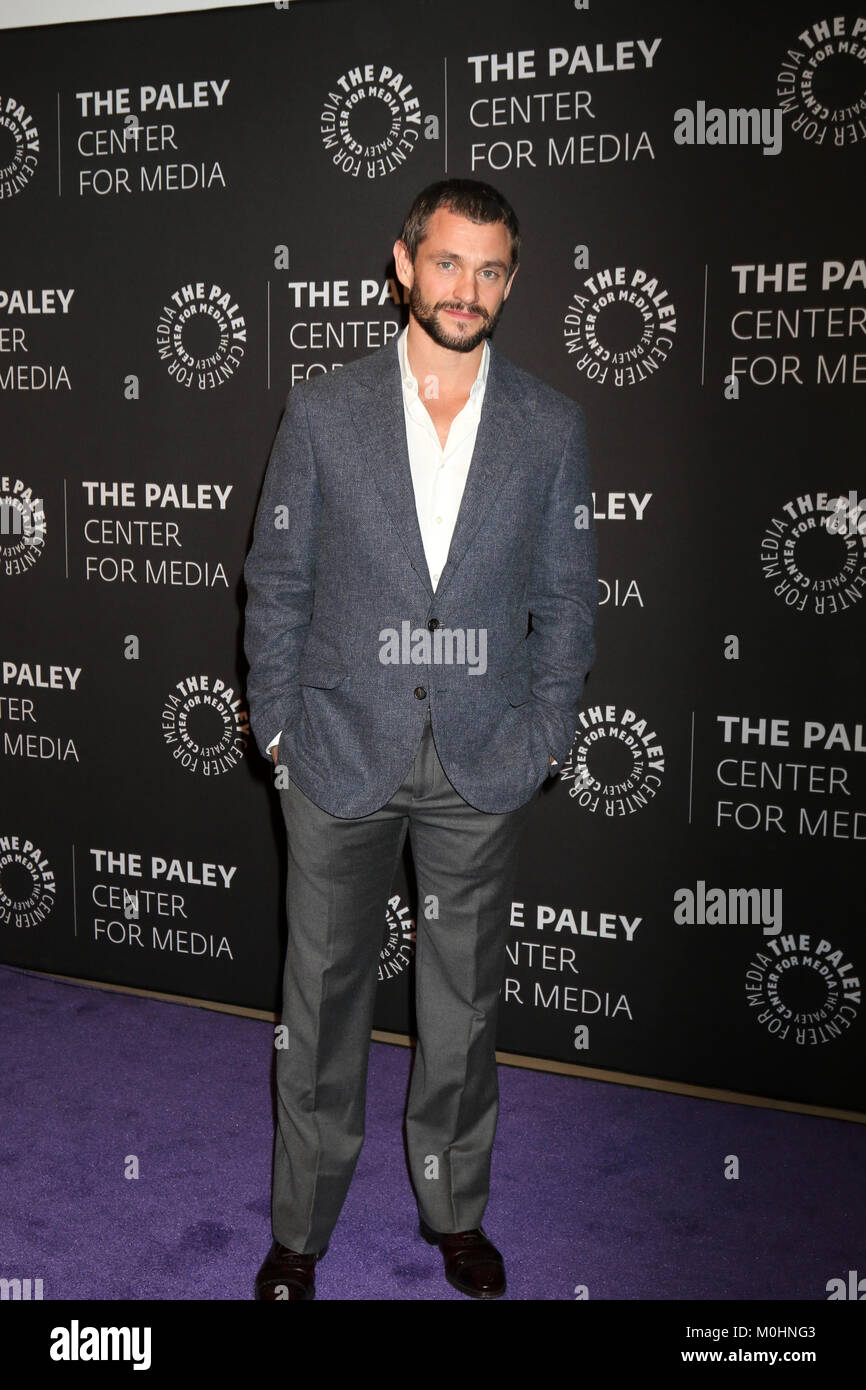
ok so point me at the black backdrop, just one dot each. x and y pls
(227, 186)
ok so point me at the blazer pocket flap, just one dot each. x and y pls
(314, 670)
(517, 686)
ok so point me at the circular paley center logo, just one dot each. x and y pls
(27, 886)
(22, 527)
(19, 147)
(399, 939)
(620, 326)
(821, 82)
(201, 336)
(205, 725)
(802, 993)
(814, 554)
(616, 762)
(371, 121)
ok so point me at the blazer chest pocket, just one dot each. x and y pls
(516, 685)
(321, 673)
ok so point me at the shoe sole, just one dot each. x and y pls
(308, 1298)
(473, 1293)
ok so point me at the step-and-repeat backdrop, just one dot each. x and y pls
(197, 213)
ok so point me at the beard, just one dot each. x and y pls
(460, 338)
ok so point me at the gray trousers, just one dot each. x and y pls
(340, 875)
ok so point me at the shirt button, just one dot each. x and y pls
(438, 521)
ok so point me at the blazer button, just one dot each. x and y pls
(432, 624)
(420, 692)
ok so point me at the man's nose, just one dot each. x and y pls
(465, 287)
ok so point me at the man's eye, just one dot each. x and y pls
(493, 274)
(445, 264)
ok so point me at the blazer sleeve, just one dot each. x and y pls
(280, 574)
(563, 595)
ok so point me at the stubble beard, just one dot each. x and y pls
(458, 340)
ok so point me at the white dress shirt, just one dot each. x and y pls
(438, 474)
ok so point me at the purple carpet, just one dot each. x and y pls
(609, 1187)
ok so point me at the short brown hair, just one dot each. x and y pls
(479, 202)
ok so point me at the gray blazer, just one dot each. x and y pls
(346, 641)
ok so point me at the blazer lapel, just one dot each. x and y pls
(377, 409)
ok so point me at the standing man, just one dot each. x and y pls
(422, 509)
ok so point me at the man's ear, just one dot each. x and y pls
(511, 281)
(403, 264)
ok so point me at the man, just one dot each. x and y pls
(420, 505)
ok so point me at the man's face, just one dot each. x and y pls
(459, 280)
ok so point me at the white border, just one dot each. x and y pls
(24, 14)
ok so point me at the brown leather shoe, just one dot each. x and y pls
(287, 1275)
(473, 1265)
